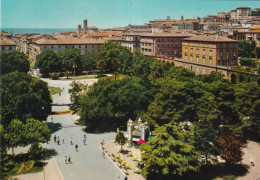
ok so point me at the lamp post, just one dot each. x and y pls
(74, 67)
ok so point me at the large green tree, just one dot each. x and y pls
(71, 60)
(246, 49)
(110, 102)
(18, 133)
(169, 153)
(89, 62)
(48, 62)
(14, 61)
(22, 97)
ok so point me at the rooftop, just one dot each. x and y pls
(166, 35)
(7, 42)
(210, 38)
(243, 7)
(70, 41)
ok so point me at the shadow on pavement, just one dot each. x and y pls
(54, 126)
(48, 153)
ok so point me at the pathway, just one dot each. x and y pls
(252, 149)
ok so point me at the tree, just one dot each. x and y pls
(14, 134)
(19, 134)
(246, 48)
(169, 153)
(230, 149)
(23, 97)
(48, 62)
(121, 139)
(14, 61)
(101, 65)
(77, 91)
(89, 62)
(247, 62)
(113, 102)
(35, 151)
(71, 60)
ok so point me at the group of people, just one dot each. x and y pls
(57, 139)
(67, 160)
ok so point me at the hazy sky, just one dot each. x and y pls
(106, 13)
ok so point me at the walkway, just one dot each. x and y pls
(252, 149)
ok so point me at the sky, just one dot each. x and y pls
(107, 13)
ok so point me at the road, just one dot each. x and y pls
(87, 162)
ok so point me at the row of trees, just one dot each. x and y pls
(192, 116)
(68, 61)
(25, 103)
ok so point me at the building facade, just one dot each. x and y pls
(204, 54)
(131, 41)
(7, 45)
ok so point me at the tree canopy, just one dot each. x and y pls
(48, 62)
(23, 97)
(14, 61)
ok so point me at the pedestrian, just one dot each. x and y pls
(69, 160)
(59, 93)
(55, 138)
(76, 147)
(58, 141)
(63, 88)
(85, 135)
(71, 141)
(126, 178)
(58, 138)
(84, 141)
(51, 118)
(252, 161)
(63, 141)
(66, 159)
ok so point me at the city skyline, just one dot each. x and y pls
(105, 13)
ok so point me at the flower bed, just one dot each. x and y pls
(25, 166)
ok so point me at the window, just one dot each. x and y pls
(220, 54)
(51, 46)
(176, 45)
(191, 44)
(158, 45)
(167, 45)
(191, 58)
(227, 46)
(79, 46)
(234, 45)
(185, 50)
(197, 70)
(203, 51)
(221, 63)
(227, 53)
(44, 47)
(172, 45)
(175, 51)
(210, 61)
(191, 68)
(59, 46)
(197, 51)
(10, 48)
(92, 46)
(203, 44)
(186, 43)
(3, 48)
(197, 59)
(227, 63)
(210, 53)
(234, 53)
(203, 71)
(185, 57)
(198, 44)
(158, 39)
(66, 46)
(234, 61)
(221, 46)
(203, 59)
(210, 45)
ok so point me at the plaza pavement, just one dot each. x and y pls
(86, 164)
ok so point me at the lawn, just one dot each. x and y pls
(54, 90)
(78, 78)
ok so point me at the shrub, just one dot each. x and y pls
(35, 151)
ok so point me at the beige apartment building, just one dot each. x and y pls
(84, 45)
(203, 54)
(7, 45)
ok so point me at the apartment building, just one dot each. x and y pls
(7, 45)
(84, 45)
(131, 41)
(203, 54)
(162, 45)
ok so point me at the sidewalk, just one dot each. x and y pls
(51, 172)
(252, 149)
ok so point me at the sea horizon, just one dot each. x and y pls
(37, 30)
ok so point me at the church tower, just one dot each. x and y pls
(85, 25)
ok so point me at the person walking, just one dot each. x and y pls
(76, 147)
(58, 141)
(85, 135)
(69, 160)
(84, 141)
(63, 141)
(66, 160)
(55, 138)
(51, 118)
(71, 141)
(252, 161)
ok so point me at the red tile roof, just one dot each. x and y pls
(166, 35)
(243, 7)
(70, 41)
(7, 42)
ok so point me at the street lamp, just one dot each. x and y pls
(74, 67)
